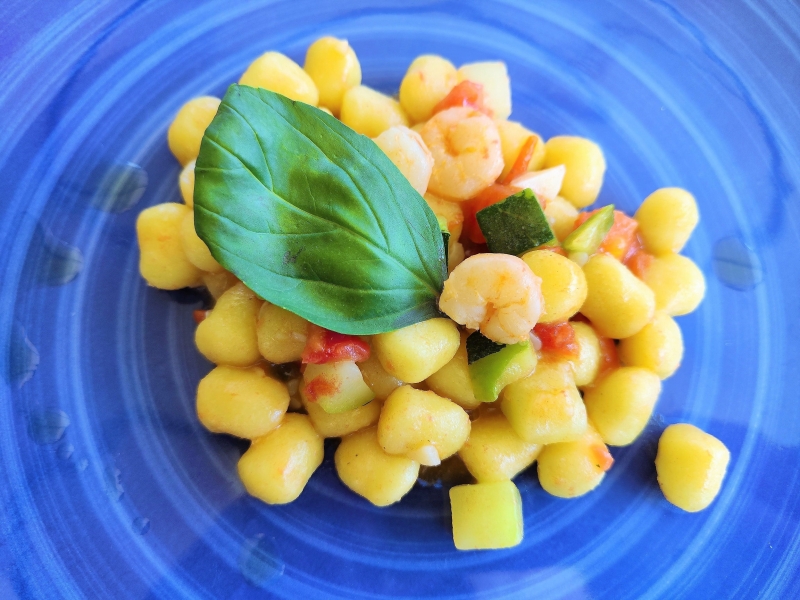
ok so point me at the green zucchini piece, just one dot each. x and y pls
(591, 233)
(494, 366)
(515, 225)
(336, 386)
(445, 236)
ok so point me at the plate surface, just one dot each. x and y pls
(110, 487)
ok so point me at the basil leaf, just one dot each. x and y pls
(314, 217)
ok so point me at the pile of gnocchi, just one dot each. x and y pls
(546, 356)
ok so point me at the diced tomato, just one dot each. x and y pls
(621, 235)
(320, 386)
(557, 338)
(491, 195)
(324, 346)
(466, 93)
(637, 259)
(520, 166)
(602, 457)
(200, 315)
(608, 356)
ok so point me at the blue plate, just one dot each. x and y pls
(109, 487)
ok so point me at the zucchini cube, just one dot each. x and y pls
(515, 225)
(486, 515)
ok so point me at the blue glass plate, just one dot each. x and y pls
(109, 487)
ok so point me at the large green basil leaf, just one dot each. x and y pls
(314, 217)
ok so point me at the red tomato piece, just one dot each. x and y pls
(602, 456)
(637, 259)
(621, 235)
(199, 316)
(493, 194)
(466, 93)
(557, 338)
(324, 346)
(520, 166)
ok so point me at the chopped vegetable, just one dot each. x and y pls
(520, 166)
(491, 195)
(493, 366)
(515, 225)
(621, 236)
(479, 347)
(486, 515)
(445, 234)
(336, 386)
(637, 259)
(558, 339)
(546, 184)
(588, 236)
(466, 93)
(323, 346)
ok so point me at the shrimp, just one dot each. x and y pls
(467, 156)
(496, 293)
(409, 154)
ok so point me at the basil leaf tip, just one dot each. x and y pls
(314, 217)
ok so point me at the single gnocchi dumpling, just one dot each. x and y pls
(585, 165)
(414, 353)
(546, 407)
(246, 403)
(621, 403)
(370, 112)
(691, 465)
(277, 466)
(281, 334)
(428, 80)
(278, 73)
(162, 261)
(187, 129)
(572, 469)
(677, 283)
(617, 302)
(658, 347)
(333, 66)
(227, 336)
(365, 468)
(667, 218)
(196, 249)
(494, 452)
(422, 426)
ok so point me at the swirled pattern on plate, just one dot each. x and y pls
(110, 487)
